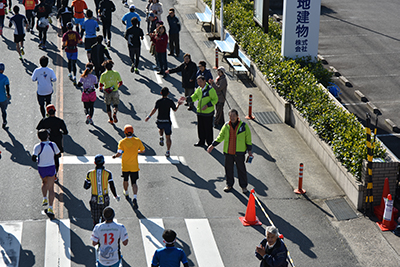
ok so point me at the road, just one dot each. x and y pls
(185, 194)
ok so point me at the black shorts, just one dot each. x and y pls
(134, 176)
(19, 38)
(89, 42)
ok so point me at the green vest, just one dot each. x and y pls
(243, 137)
(208, 95)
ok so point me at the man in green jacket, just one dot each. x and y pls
(207, 97)
(237, 140)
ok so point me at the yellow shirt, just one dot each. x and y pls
(130, 147)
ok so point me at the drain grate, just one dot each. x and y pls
(269, 117)
(341, 209)
(191, 16)
(209, 44)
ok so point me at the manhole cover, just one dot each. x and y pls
(269, 117)
(341, 209)
(209, 44)
(191, 16)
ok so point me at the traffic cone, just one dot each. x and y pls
(250, 217)
(388, 222)
(379, 210)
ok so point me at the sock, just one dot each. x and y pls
(50, 207)
(134, 196)
(44, 198)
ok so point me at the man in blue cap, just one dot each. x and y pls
(99, 179)
(4, 94)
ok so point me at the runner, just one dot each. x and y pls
(3, 12)
(133, 35)
(65, 14)
(163, 106)
(90, 26)
(129, 147)
(29, 7)
(56, 128)
(79, 17)
(106, 8)
(108, 235)
(44, 154)
(98, 179)
(169, 255)
(97, 54)
(20, 23)
(4, 94)
(44, 77)
(111, 81)
(42, 12)
(127, 18)
(70, 41)
(89, 83)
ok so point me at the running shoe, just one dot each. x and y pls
(45, 202)
(90, 121)
(126, 5)
(135, 205)
(4, 125)
(87, 119)
(133, 68)
(50, 211)
(50, 20)
(161, 141)
(44, 47)
(70, 76)
(136, 71)
(40, 44)
(125, 193)
(108, 43)
(167, 154)
(74, 80)
(115, 118)
(20, 58)
(110, 121)
(32, 31)
(22, 51)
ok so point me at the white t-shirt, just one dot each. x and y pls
(46, 158)
(108, 235)
(45, 78)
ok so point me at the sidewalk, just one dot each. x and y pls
(288, 150)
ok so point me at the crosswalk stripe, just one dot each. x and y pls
(109, 160)
(10, 243)
(152, 230)
(173, 121)
(203, 243)
(58, 243)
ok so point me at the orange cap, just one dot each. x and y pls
(128, 129)
(50, 107)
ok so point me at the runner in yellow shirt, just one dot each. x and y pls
(129, 147)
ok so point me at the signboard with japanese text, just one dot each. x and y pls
(300, 29)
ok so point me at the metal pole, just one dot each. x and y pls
(222, 20)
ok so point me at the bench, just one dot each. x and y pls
(239, 65)
(226, 46)
(204, 17)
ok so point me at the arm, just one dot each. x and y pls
(116, 155)
(8, 91)
(248, 140)
(113, 190)
(94, 243)
(106, 53)
(64, 128)
(151, 114)
(87, 183)
(125, 242)
(219, 139)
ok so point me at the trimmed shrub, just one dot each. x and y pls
(297, 81)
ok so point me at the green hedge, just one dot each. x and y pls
(296, 80)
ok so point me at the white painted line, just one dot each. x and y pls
(58, 243)
(10, 243)
(109, 160)
(182, 160)
(387, 135)
(146, 43)
(203, 243)
(173, 120)
(158, 77)
(152, 230)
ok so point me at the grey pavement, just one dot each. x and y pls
(287, 149)
(173, 192)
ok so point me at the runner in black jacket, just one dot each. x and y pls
(105, 9)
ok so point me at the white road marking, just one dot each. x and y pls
(109, 160)
(203, 243)
(146, 43)
(10, 243)
(152, 230)
(58, 243)
(173, 120)
(158, 77)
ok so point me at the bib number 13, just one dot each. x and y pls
(108, 238)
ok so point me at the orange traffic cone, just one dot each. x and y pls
(379, 210)
(250, 218)
(388, 223)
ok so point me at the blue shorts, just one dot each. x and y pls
(72, 56)
(79, 21)
(47, 171)
(166, 126)
(114, 265)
